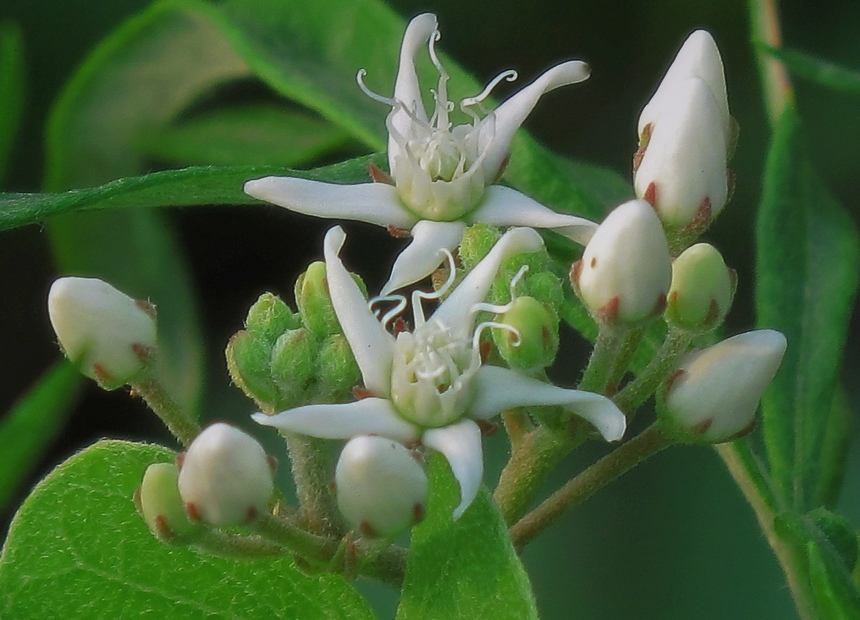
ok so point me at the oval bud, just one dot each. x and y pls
(532, 343)
(107, 334)
(161, 506)
(701, 291)
(625, 271)
(314, 301)
(249, 358)
(715, 392)
(338, 370)
(381, 486)
(294, 365)
(225, 477)
(270, 317)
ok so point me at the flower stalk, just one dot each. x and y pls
(178, 422)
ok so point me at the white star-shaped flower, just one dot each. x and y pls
(442, 174)
(429, 386)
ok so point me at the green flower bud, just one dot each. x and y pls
(537, 343)
(314, 301)
(701, 291)
(270, 317)
(248, 360)
(294, 365)
(338, 370)
(477, 241)
(159, 504)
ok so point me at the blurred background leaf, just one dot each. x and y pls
(12, 85)
(817, 70)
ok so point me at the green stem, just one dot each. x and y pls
(222, 544)
(603, 357)
(183, 427)
(311, 461)
(637, 391)
(610, 467)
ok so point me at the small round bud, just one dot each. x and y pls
(338, 370)
(314, 301)
(109, 335)
(249, 358)
(294, 365)
(477, 241)
(159, 503)
(625, 271)
(701, 291)
(270, 317)
(381, 486)
(714, 394)
(225, 477)
(532, 343)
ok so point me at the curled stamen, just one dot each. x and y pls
(392, 314)
(502, 308)
(420, 296)
(476, 338)
(516, 280)
(510, 75)
(433, 56)
(359, 77)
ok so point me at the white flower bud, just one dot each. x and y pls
(626, 270)
(682, 171)
(702, 289)
(109, 335)
(381, 486)
(225, 477)
(714, 394)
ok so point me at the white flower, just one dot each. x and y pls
(714, 394)
(442, 174)
(429, 386)
(109, 335)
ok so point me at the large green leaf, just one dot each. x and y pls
(817, 70)
(463, 569)
(807, 274)
(33, 423)
(78, 549)
(11, 90)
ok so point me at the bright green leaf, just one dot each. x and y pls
(835, 597)
(807, 272)
(33, 423)
(78, 549)
(463, 569)
(817, 70)
(12, 78)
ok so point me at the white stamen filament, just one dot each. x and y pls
(501, 308)
(375, 96)
(476, 338)
(510, 75)
(392, 314)
(419, 296)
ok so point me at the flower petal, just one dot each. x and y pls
(498, 389)
(503, 206)
(407, 91)
(375, 203)
(497, 129)
(424, 254)
(455, 311)
(372, 346)
(461, 445)
(369, 416)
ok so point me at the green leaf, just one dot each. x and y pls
(247, 135)
(463, 569)
(817, 70)
(78, 549)
(807, 273)
(835, 597)
(190, 186)
(33, 423)
(12, 82)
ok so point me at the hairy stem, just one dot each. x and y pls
(183, 427)
(311, 461)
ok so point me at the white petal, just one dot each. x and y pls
(503, 206)
(375, 203)
(455, 312)
(498, 128)
(369, 416)
(424, 254)
(498, 389)
(461, 445)
(406, 88)
(372, 346)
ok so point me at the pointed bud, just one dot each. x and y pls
(714, 394)
(225, 477)
(702, 289)
(159, 503)
(682, 170)
(249, 358)
(625, 271)
(270, 317)
(381, 486)
(107, 334)
(532, 341)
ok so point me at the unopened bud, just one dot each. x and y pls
(270, 317)
(161, 506)
(702, 289)
(532, 341)
(249, 358)
(714, 394)
(381, 486)
(107, 334)
(314, 301)
(477, 241)
(625, 271)
(338, 370)
(294, 365)
(225, 477)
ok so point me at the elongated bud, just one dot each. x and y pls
(714, 394)
(107, 334)
(225, 477)
(314, 301)
(702, 289)
(249, 358)
(625, 271)
(682, 171)
(381, 486)
(294, 365)
(532, 341)
(161, 506)
(270, 317)
(338, 370)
